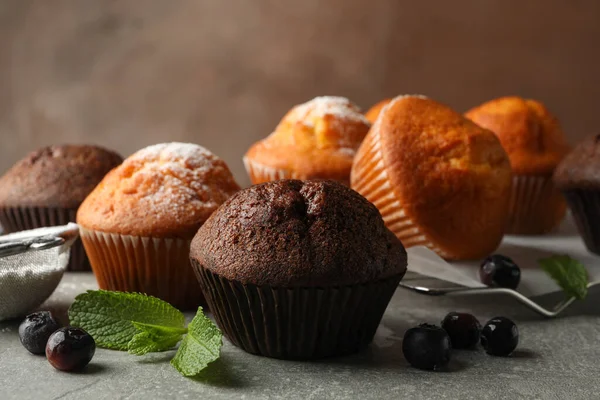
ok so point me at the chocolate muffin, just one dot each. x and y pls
(47, 186)
(298, 269)
(578, 178)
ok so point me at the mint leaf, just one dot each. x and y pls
(569, 273)
(201, 346)
(110, 316)
(141, 324)
(152, 339)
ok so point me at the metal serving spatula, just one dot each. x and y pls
(425, 262)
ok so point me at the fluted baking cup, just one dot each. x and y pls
(534, 205)
(370, 179)
(297, 323)
(16, 219)
(259, 173)
(585, 208)
(156, 266)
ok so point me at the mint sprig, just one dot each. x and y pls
(200, 346)
(110, 316)
(568, 273)
(142, 324)
(149, 339)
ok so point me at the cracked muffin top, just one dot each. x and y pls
(165, 190)
(56, 176)
(530, 134)
(314, 140)
(292, 233)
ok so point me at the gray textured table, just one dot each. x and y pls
(556, 359)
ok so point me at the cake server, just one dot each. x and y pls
(462, 291)
(427, 263)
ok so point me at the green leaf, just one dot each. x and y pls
(569, 273)
(201, 346)
(152, 339)
(110, 316)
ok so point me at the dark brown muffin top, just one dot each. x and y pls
(292, 233)
(56, 176)
(581, 167)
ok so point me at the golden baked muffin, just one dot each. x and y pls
(317, 139)
(438, 179)
(374, 111)
(138, 223)
(535, 144)
(47, 186)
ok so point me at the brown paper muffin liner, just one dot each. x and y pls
(15, 219)
(585, 208)
(155, 266)
(297, 323)
(535, 206)
(370, 179)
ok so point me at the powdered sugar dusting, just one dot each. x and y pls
(174, 151)
(321, 106)
(176, 178)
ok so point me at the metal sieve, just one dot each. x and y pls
(32, 264)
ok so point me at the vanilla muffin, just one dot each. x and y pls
(535, 144)
(298, 269)
(47, 186)
(317, 139)
(438, 179)
(138, 223)
(374, 111)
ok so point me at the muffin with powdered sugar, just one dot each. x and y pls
(138, 223)
(314, 140)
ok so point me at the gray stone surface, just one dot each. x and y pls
(556, 359)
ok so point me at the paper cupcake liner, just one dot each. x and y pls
(297, 323)
(585, 207)
(155, 266)
(370, 179)
(15, 219)
(259, 173)
(534, 205)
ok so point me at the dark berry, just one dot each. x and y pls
(498, 270)
(464, 329)
(35, 330)
(500, 336)
(70, 349)
(426, 347)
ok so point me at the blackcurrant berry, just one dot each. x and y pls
(498, 270)
(464, 329)
(427, 347)
(500, 336)
(70, 349)
(35, 330)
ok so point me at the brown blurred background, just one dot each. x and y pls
(129, 73)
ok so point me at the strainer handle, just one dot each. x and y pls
(21, 246)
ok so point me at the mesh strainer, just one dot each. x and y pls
(32, 264)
